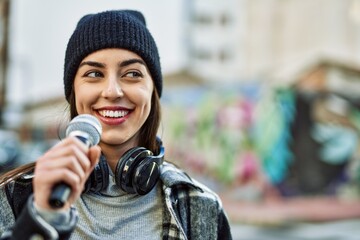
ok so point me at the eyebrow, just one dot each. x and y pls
(121, 64)
(92, 64)
(131, 61)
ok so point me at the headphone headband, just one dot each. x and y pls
(159, 159)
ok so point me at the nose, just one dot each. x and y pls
(112, 89)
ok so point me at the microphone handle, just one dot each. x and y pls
(59, 195)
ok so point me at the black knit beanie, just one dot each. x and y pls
(111, 29)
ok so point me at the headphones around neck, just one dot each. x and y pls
(137, 171)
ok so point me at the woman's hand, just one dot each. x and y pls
(71, 162)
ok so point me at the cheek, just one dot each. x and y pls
(83, 98)
(146, 99)
(147, 107)
(143, 101)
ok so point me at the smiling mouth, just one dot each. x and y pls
(113, 114)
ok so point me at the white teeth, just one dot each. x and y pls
(113, 114)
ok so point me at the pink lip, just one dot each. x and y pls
(113, 121)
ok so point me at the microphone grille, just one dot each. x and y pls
(88, 124)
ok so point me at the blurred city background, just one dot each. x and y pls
(261, 102)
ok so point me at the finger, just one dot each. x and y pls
(54, 157)
(45, 181)
(94, 155)
(67, 162)
(57, 175)
(69, 141)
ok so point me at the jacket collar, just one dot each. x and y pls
(172, 176)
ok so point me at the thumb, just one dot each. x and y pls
(94, 155)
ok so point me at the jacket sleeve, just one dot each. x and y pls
(224, 230)
(31, 225)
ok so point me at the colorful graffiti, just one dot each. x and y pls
(236, 138)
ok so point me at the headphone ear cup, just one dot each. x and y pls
(99, 178)
(146, 176)
(126, 167)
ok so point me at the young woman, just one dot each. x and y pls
(112, 72)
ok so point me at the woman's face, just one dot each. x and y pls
(115, 86)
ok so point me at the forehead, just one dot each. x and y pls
(111, 54)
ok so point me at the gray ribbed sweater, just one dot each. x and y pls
(114, 214)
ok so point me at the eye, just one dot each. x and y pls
(133, 74)
(93, 74)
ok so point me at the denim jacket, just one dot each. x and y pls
(191, 211)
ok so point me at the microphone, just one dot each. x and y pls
(88, 129)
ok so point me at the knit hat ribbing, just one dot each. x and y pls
(111, 29)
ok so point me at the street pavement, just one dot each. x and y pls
(337, 230)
